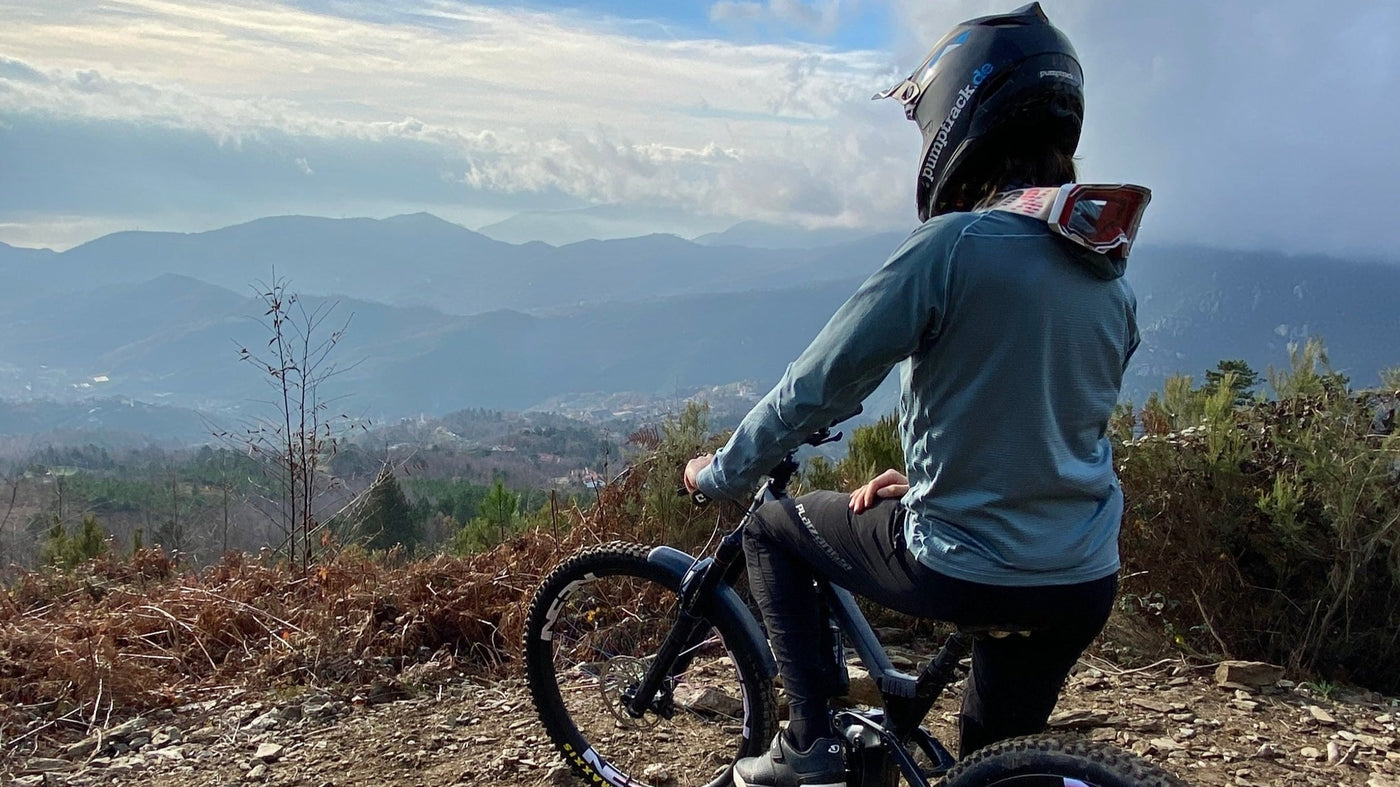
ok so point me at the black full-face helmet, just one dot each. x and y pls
(1010, 74)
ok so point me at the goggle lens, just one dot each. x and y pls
(1107, 219)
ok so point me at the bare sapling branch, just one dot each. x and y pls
(295, 443)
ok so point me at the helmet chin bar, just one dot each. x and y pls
(1101, 217)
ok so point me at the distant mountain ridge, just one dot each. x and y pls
(22, 272)
(398, 360)
(117, 420)
(341, 256)
(596, 222)
(417, 260)
(653, 314)
(1197, 306)
(762, 235)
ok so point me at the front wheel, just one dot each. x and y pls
(1052, 761)
(593, 628)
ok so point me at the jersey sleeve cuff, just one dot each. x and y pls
(711, 483)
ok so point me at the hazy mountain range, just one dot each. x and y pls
(762, 235)
(420, 260)
(596, 222)
(442, 318)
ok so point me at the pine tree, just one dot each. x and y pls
(871, 449)
(55, 549)
(67, 551)
(874, 448)
(499, 509)
(89, 542)
(388, 517)
(1242, 379)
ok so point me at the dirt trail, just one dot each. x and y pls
(465, 732)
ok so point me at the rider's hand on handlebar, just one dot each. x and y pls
(890, 483)
(693, 468)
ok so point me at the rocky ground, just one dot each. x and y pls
(1209, 726)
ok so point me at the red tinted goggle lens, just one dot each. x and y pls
(1120, 209)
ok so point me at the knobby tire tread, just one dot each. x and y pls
(607, 559)
(1098, 764)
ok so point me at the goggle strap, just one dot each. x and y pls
(1035, 202)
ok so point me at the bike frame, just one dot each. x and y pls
(880, 737)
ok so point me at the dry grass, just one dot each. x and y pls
(117, 636)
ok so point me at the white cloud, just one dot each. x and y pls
(816, 16)
(528, 102)
(1254, 124)
(58, 232)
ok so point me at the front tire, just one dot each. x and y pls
(592, 628)
(1053, 761)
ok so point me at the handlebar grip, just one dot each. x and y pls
(698, 498)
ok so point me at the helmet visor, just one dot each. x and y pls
(908, 91)
(1103, 218)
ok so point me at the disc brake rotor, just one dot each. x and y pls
(619, 676)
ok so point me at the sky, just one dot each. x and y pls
(1257, 123)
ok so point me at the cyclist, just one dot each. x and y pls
(1012, 342)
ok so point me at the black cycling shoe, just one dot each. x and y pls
(823, 765)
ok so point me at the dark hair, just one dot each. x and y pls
(1007, 162)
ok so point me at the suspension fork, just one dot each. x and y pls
(698, 587)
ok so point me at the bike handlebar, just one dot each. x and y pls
(787, 466)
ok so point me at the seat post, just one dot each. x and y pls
(941, 670)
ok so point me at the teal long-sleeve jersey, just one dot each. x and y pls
(1012, 344)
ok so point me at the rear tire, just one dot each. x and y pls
(1053, 761)
(592, 628)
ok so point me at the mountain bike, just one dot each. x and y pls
(639, 657)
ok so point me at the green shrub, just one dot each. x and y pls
(870, 450)
(1273, 528)
(66, 551)
(641, 503)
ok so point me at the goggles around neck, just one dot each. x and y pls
(1100, 217)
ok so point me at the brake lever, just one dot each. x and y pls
(822, 437)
